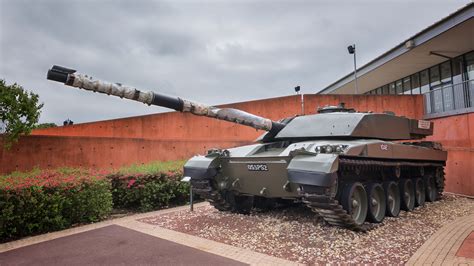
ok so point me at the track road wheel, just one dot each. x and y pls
(430, 189)
(392, 195)
(354, 201)
(407, 194)
(238, 203)
(377, 203)
(420, 194)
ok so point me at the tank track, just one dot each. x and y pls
(204, 189)
(329, 208)
(331, 211)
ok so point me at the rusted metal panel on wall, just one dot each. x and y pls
(171, 136)
(456, 133)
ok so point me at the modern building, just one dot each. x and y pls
(437, 62)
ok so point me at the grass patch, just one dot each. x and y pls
(152, 168)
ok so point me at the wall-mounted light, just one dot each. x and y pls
(410, 44)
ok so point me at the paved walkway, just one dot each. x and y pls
(448, 246)
(126, 241)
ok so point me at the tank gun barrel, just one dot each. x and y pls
(71, 78)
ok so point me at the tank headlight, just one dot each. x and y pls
(329, 149)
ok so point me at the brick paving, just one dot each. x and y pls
(442, 247)
(451, 245)
(467, 247)
(58, 248)
(111, 245)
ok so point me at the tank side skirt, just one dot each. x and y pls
(323, 202)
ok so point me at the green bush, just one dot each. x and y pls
(51, 201)
(148, 192)
(42, 201)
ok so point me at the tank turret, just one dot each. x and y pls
(71, 78)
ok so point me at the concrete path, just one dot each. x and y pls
(451, 245)
(128, 242)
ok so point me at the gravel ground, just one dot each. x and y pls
(297, 234)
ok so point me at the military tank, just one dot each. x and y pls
(349, 167)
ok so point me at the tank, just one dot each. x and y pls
(351, 168)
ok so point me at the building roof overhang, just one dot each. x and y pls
(449, 37)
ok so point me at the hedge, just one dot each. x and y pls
(52, 201)
(148, 192)
(43, 201)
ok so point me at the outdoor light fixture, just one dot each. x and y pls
(352, 50)
(297, 89)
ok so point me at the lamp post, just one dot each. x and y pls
(352, 50)
(297, 90)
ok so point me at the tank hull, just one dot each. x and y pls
(301, 172)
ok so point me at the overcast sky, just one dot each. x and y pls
(209, 51)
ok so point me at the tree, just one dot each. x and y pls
(19, 111)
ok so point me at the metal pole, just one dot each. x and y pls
(191, 205)
(355, 71)
(302, 104)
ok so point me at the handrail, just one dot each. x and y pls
(449, 85)
(449, 97)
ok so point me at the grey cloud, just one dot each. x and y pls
(208, 51)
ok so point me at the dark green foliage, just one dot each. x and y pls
(19, 111)
(33, 210)
(148, 192)
(45, 125)
(48, 200)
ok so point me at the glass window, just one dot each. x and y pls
(470, 65)
(469, 59)
(385, 89)
(407, 85)
(399, 87)
(424, 81)
(391, 88)
(415, 83)
(446, 72)
(379, 91)
(457, 65)
(434, 77)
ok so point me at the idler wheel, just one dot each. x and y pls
(377, 203)
(430, 189)
(407, 194)
(420, 194)
(354, 201)
(392, 195)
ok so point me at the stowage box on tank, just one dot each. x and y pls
(348, 167)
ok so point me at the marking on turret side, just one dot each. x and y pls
(384, 147)
(257, 167)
